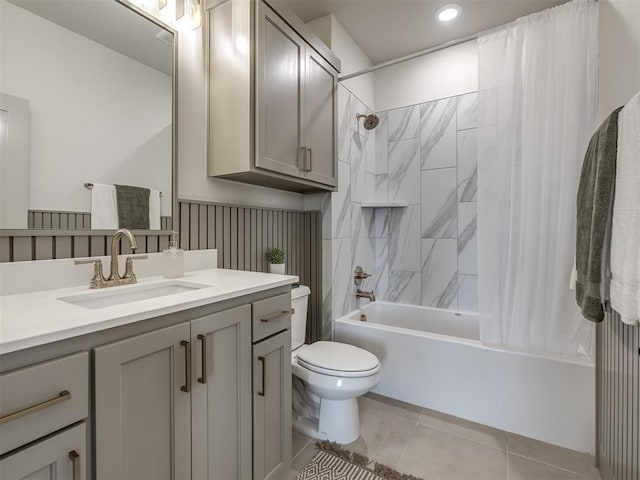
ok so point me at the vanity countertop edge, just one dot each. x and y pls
(37, 318)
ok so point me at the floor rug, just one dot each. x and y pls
(333, 462)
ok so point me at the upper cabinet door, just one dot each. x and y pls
(320, 162)
(280, 100)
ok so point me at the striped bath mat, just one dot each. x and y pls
(333, 462)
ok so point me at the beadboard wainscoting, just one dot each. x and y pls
(61, 220)
(618, 399)
(48, 244)
(242, 234)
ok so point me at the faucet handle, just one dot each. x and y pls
(128, 266)
(98, 280)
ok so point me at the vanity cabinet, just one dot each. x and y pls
(272, 406)
(221, 395)
(143, 406)
(183, 394)
(272, 99)
(36, 402)
(271, 319)
(62, 456)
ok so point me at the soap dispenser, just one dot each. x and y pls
(173, 259)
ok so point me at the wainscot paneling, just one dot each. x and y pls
(242, 234)
(618, 399)
(61, 220)
(49, 244)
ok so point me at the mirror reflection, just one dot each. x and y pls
(86, 103)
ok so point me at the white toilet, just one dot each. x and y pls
(331, 376)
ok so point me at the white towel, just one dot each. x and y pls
(625, 232)
(104, 207)
(154, 209)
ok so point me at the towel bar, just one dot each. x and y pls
(89, 185)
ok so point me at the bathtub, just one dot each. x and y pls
(433, 358)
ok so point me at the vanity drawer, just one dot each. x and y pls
(38, 400)
(271, 316)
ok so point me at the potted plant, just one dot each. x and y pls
(275, 257)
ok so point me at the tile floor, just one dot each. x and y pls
(434, 446)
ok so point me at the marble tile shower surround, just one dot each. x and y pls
(425, 254)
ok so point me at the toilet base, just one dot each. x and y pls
(339, 420)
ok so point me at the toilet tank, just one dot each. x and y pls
(299, 302)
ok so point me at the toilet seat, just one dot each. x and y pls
(337, 359)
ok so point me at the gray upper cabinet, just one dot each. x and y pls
(281, 61)
(320, 120)
(272, 99)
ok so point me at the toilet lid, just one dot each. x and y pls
(337, 357)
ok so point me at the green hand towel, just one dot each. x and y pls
(595, 195)
(133, 207)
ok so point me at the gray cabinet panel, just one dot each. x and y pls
(221, 396)
(50, 459)
(281, 56)
(265, 100)
(320, 121)
(142, 413)
(272, 406)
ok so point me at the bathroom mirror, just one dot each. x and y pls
(87, 96)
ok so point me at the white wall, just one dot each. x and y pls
(59, 73)
(353, 59)
(619, 44)
(447, 73)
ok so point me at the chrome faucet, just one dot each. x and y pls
(98, 280)
(368, 295)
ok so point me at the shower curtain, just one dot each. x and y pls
(537, 109)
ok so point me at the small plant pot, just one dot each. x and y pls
(276, 268)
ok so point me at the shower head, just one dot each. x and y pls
(370, 121)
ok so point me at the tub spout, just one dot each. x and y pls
(368, 295)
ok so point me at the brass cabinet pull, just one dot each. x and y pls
(75, 459)
(63, 396)
(276, 316)
(187, 366)
(303, 155)
(264, 378)
(203, 378)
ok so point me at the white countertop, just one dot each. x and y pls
(36, 318)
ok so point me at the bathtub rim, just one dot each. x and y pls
(580, 360)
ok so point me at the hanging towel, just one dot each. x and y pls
(133, 207)
(104, 207)
(625, 233)
(593, 207)
(154, 209)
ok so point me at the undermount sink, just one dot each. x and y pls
(113, 296)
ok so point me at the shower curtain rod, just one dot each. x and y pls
(411, 56)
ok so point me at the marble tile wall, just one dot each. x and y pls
(424, 254)
(426, 156)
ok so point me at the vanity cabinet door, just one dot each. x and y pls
(279, 108)
(143, 406)
(221, 396)
(272, 406)
(60, 457)
(320, 163)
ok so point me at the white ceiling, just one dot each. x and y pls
(111, 24)
(387, 29)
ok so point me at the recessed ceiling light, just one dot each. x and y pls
(448, 12)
